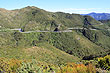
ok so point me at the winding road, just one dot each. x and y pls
(68, 30)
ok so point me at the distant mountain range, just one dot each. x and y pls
(99, 16)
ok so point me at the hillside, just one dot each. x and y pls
(54, 38)
(26, 49)
(33, 18)
(78, 43)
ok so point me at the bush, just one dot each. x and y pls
(77, 68)
(28, 68)
(9, 65)
(104, 63)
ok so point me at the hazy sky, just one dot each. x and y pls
(69, 6)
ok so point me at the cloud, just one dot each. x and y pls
(83, 11)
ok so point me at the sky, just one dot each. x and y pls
(68, 6)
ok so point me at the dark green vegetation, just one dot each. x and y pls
(89, 41)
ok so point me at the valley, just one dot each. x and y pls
(33, 40)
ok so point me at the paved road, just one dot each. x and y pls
(19, 29)
(79, 28)
(68, 30)
(47, 31)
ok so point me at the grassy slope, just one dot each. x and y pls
(33, 18)
(74, 43)
(49, 55)
(92, 20)
(41, 52)
(98, 37)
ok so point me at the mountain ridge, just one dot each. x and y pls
(99, 16)
(33, 18)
